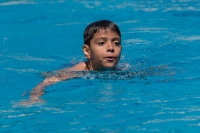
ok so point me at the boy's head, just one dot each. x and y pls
(95, 27)
(102, 45)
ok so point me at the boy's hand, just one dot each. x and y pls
(34, 97)
(31, 101)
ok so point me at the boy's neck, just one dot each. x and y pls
(92, 68)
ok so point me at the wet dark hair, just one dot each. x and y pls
(94, 27)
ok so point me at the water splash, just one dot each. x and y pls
(115, 75)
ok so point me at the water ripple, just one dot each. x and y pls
(186, 118)
(18, 2)
(189, 38)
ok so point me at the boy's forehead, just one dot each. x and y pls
(106, 32)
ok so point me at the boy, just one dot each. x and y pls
(102, 48)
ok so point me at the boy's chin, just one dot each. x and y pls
(109, 67)
(106, 66)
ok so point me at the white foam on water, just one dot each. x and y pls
(5, 126)
(130, 21)
(20, 2)
(195, 58)
(74, 23)
(178, 8)
(187, 118)
(150, 29)
(136, 41)
(17, 2)
(16, 116)
(24, 70)
(191, 125)
(149, 9)
(189, 38)
(7, 111)
(89, 4)
(29, 58)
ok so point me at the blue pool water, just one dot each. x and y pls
(160, 39)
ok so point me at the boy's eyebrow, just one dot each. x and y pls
(115, 38)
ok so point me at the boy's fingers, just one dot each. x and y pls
(31, 101)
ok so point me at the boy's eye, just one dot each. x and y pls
(116, 43)
(101, 43)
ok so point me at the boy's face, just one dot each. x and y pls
(104, 50)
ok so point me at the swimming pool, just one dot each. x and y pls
(45, 36)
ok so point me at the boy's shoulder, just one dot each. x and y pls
(82, 66)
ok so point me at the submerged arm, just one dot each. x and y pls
(39, 89)
(60, 76)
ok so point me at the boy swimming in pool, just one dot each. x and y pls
(102, 48)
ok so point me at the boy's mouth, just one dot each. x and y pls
(110, 58)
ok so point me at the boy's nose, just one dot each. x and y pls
(110, 48)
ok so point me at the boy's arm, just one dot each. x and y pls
(61, 75)
(39, 89)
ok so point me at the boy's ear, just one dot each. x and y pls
(86, 51)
